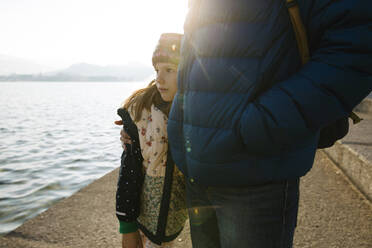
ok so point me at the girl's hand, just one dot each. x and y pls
(132, 240)
(124, 137)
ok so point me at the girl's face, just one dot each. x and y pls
(166, 80)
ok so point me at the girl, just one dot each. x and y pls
(151, 190)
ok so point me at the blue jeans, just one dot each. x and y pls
(260, 216)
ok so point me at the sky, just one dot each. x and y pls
(104, 32)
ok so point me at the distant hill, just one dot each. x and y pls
(129, 72)
(11, 65)
(85, 72)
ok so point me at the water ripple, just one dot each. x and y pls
(65, 140)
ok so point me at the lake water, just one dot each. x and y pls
(55, 138)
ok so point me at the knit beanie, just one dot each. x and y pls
(168, 49)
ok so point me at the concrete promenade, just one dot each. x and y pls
(335, 211)
(353, 154)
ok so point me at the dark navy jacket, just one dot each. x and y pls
(246, 111)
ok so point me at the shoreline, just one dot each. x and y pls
(335, 205)
(332, 214)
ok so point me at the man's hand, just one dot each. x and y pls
(124, 137)
(132, 240)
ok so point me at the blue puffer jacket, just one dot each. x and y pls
(246, 111)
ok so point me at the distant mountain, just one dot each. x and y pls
(85, 72)
(13, 65)
(129, 72)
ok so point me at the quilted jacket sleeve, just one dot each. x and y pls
(327, 88)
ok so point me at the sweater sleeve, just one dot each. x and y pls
(127, 227)
(327, 88)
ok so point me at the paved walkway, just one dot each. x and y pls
(353, 154)
(332, 214)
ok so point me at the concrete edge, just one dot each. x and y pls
(339, 172)
(365, 106)
(355, 166)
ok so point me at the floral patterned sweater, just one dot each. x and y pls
(151, 190)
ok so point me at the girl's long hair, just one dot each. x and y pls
(144, 98)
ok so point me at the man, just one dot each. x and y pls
(245, 122)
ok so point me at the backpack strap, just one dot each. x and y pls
(299, 30)
(355, 118)
(302, 42)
